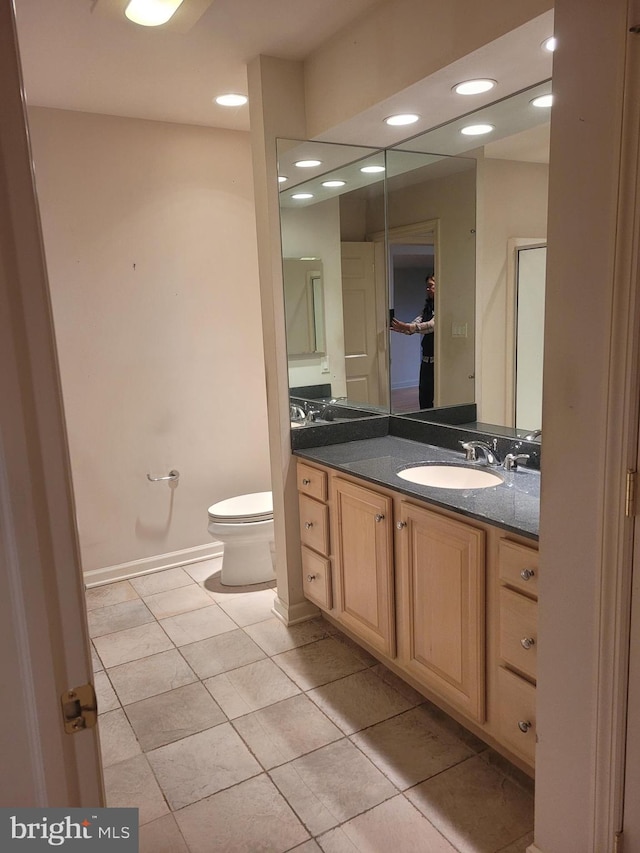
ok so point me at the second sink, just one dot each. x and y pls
(450, 477)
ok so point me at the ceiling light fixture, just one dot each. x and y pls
(299, 196)
(402, 119)
(282, 179)
(474, 87)
(333, 183)
(231, 100)
(151, 13)
(477, 129)
(550, 44)
(542, 101)
(371, 169)
(308, 164)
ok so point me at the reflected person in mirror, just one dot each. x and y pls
(423, 324)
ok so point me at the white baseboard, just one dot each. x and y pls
(533, 849)
(123, 571)
(301, 612)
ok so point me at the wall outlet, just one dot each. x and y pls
(324, 365)
(458, 330)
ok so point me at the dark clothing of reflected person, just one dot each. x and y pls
(424, 324)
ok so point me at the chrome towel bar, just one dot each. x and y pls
(173, 476)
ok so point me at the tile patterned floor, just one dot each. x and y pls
(234, 734)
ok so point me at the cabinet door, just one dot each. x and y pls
(364, 587)
(441, 614)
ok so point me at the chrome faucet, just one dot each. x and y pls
(297, 413)
(531, 436)
(471, 451)
(512, 460)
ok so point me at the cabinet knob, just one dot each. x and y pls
(401, 524)
(379, 517)
(524, 726)
(527, 574)
(308, 525)
(306, 482)
(311, 577)
(527, 642)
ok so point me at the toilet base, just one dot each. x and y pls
(244, 564)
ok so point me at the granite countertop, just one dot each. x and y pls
(514, 505)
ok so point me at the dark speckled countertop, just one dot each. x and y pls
(513, 505)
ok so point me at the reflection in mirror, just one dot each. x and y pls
(304, 306)
(530, 292)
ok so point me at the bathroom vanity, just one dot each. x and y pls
(439, 584)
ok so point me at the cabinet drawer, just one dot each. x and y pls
(314, 524)
(519, 566)
(312, 482)
(516, 719)
(316, 578)
(518, 631)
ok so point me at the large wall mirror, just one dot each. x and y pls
(377, 224)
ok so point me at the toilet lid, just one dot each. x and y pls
(243, 508)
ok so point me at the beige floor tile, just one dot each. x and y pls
(118, 617)
(319, 663)
(204, 569)
(96, 663)
(111, 593)
(308, 847)
(162, 836)
(358, 701)
(393, 825)
(251, 687)
(198, 625)
(148, 677)
(411, 747)
(174, 715)
(519, 846)
(131, 784)
(132, 644)
(156, 582)
(331, 785)
(285, 731)
(105, 694)
(250, 608)
(117, 740)
(175, 601)
(275, 637)
(477, 808)
(220, 593)
(201, 765)
(219, 654)
(224, 823)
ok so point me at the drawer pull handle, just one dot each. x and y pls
(379, 517)
(311, 577)
(524, 726)
(306, 482)
(401, 524)
(308, 525)
(527, 574)
(527, 642)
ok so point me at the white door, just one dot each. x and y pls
(361, 349)
(45, 645)
(530, 290)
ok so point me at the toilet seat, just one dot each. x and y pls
(243, 509)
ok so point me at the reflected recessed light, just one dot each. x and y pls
(298, 196)
(151, 13)
(231, 100)
(402, 119)
(308, 164)
(333, 183)
(476, 129)
(282, 179)
(309, 259)
(474, 87)
(372, 169)
(550, 44)
(542, 101)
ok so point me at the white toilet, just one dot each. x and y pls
(244, 524)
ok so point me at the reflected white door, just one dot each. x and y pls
(360, 323)
(532, 263)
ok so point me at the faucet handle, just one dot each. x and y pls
(512, 460)
(469, 451)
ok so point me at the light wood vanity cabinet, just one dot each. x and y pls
(448, 603)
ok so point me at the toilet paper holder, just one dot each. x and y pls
(173, 477)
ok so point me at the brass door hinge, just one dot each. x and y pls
(630, 494)
(618, 842)
(79, 708)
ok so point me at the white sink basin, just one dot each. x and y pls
(450, 477)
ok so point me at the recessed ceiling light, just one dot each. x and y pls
(333, 183)
(542, 101)
(151, 13)
(550, 44)
(476, 129)
(372, 169)
(231, 100)
(282, 179)
(402, 119)
(299, 196)
(474, 87)
(308, 164)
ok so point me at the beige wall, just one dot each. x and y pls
(512, 202)
(150, 240)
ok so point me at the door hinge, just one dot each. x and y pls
(618, 842)
(630, 494)
(79, 708)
